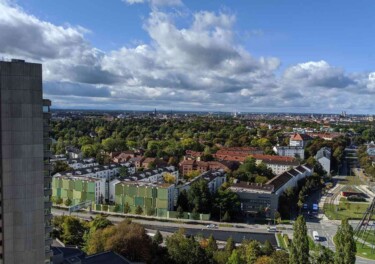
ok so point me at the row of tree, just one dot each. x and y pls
(344, 241)
(131, 240)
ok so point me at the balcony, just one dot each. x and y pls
(47, 154)
(48, 217)
(48, 251)
(47, 192)
(46, 102)
(48, 229)
(48, 241)
(47, 141)
(48, 205)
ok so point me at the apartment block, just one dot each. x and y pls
(156, 198)
(79, 189)
(25, 219)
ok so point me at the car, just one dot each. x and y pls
(316, 236)
(211, 226)
(272, 229)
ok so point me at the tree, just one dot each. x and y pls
(299, 253)
(280, 257)
(199, 196)
(235, 258)
(72, 231)
(264, 260)
(60, 166)
(139, 210)
(345, 244)
(225, 201)
(58, 200)
(277, 217)
(230, 245)
(180, 212)
(96, 240)
(251, 251)
(226, 217)
(100, 222)
(158, 238)
(123, 171)
(184, 250)
(127, 208)
(131, 241)
(68, 202)
(192, 174)
(211, 246)
(322, 255)
(183, 201)
(267, 248)
(169, 178)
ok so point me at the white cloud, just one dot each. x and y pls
(198, 66)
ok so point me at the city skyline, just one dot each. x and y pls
(175, 55)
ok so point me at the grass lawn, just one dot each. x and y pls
(365, 251)
(282, 244)
(312, 244)
(350, 210)
(369, 237)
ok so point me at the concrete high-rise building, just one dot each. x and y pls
(25, 182)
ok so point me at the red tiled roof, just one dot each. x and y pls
(300, 137)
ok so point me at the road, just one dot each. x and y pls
(239, 233)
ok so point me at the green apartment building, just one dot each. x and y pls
(154, 199)
(78, 189)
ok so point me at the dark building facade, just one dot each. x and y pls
(25, 181)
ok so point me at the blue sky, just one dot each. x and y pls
(259, 55)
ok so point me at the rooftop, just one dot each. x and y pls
(251, 187)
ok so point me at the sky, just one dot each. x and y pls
(243, 56)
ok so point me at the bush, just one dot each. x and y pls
(356, 198)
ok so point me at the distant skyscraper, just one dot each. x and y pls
(25, 192)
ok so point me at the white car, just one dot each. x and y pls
(211, 226)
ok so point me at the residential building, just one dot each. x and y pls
(278, 164)
(123, 156)
(214, 178)
(79, 189)
(76, 164)
(187, 166)
(107, 172)
(193, 155)
(323, 156)
(25, 218)
(151, 176)
(154, 199)
(255, 197)
(238, 154)
(137, 161)
(299, 140)
(149, 163)
(73, 153)
(288, 151)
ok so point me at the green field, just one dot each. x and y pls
(365, 251)
(350, 210)
(281, 241)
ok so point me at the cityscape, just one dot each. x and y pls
(168, 131)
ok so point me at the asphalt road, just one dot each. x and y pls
(238, 234)
(221, 235)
